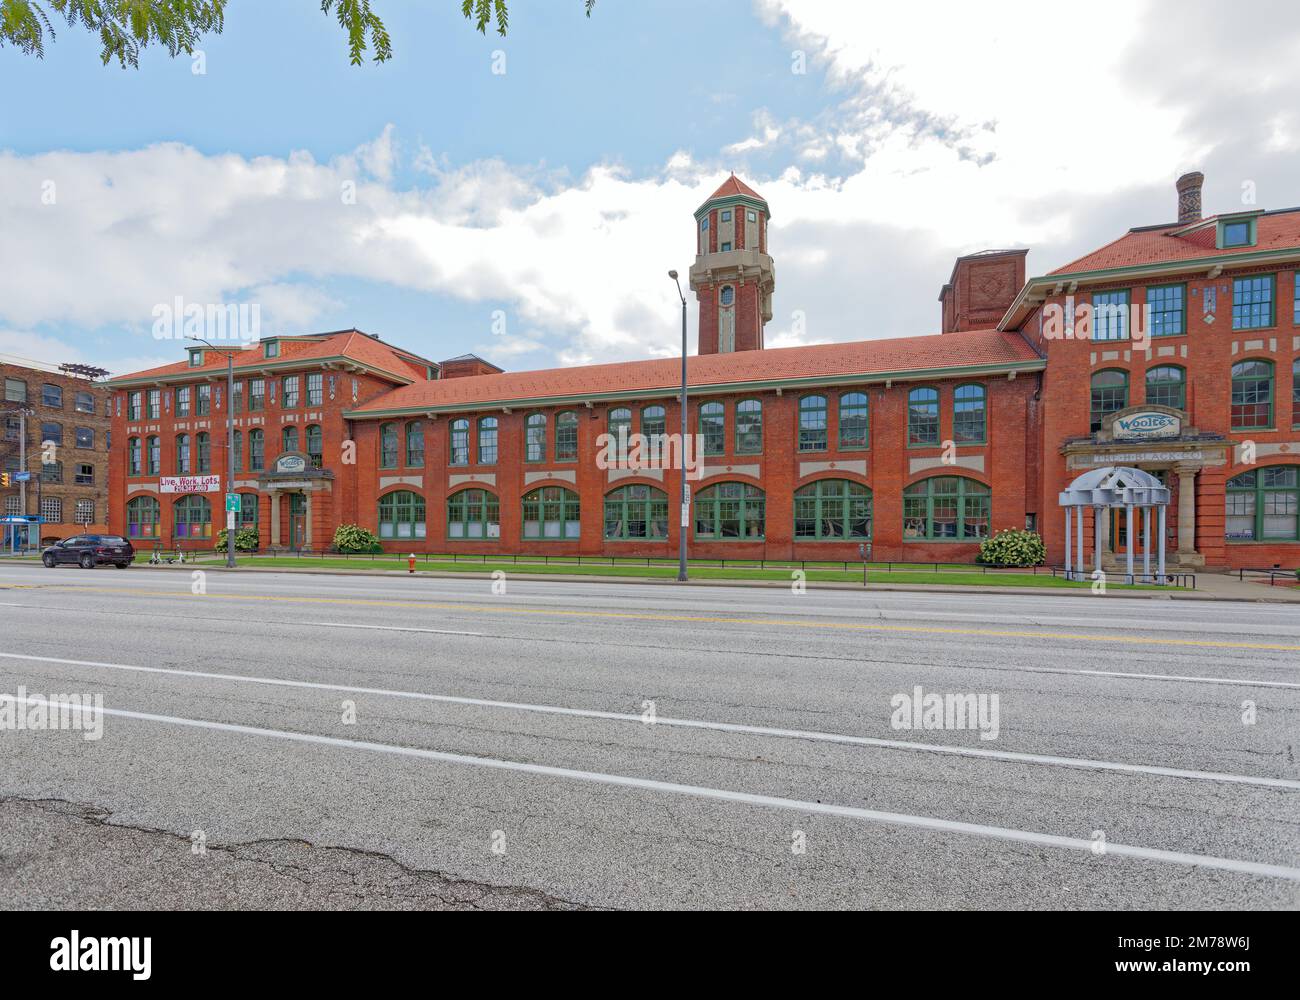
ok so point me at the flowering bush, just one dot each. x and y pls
(1012, 547)
(353, 538)
(245, 540)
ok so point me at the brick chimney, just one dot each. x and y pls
(1189, 196)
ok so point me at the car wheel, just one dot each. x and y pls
(121, 565)
(48, 560)
(87, 561)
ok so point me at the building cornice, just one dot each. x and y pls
(218, 372)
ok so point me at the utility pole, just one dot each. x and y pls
(685, 518)
(232, 524)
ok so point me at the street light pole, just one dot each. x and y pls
(681, 450)
(230, 445)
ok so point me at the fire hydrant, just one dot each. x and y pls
(410, 563)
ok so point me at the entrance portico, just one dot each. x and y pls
(295, 492)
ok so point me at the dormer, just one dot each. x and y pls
(196, 357)
(1236, 230)
(271, 348)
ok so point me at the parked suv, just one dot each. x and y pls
(88, 551)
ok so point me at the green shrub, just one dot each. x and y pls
(351, 538)
(245, 540)
(1013, 547)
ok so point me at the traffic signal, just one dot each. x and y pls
(4, 479)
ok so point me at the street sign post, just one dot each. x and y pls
(22, 477)
(232, 502)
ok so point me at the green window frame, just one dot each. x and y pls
(415, 444)
(256, 394)
(730, 512)
(813, 434)
(1295, 300)
(1253, 302)
(153, 456)
(923, 417)
(143, 517)
(1264, 505)
(388, 446)
(1295, 394)
(1108, 393)
(289, 393)
(749, 427)
(832, 510)
(134, 453)
(246, 516)
(192, 517)
(970, 414)
(202, 453)
(183, 467)
(1166, 385)
(183, 401)
(654, 428)
(289, 439)
(566, 436)
(619, 428)
(473, 515)
(855, 421)
(256, 449)
(948, 509)
(458, 441)
(636, 513)
(1252, 395)
(1110, 315)
(1167, 306)
(238, 452)
(551, 514)
(203, 400)
(134, 401)
(315, 389)
(713, 429)
(401, 515)
(487, 441)
(153, 404)
(315, 445)
(535, 438)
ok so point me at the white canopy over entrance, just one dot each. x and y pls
(1116, 486)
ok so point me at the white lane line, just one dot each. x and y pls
(391, 628)
(724, 727)
(703, 792)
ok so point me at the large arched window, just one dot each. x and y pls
(1166, 386)
(812, 423)
(551, 513)
(749, 427)
(474, 514)
(566, 437)
(535, 438)
(192, 517)
(459, 442)
(1264, 505)
(388, 446)
(289, 439)
(854, 420)
(487, 441)
(1109, 393)
(133, 457)
(315, 445)
(153, 456)
(256, 449)
(202, 453)
(831, 510)
(636, 511)
(415, 444)
(713, 428)
(730, 510)
(1252, 395)
(923, 416)
(142, 517)
(401, 515)
(620, 429)
(969, 414)
(946, 507)
(183, 467)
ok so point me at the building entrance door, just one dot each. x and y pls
(297, 520)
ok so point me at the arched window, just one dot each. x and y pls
(315, 445)
(487, 441)
(153, 456)
(636, 512)
(969, 414)
(202, 453)
(566, 437)
(1109, 393)
(238, 453)
(713, 434)
(256, 449)
(401, 515)
(473, 514)
(812, 423)
(832, 510)
(1264, 505)
(923, 416)
(946, 507)
(289, 439)
(192, 517)
(415, 444)
(535, 438)
(183, 467)
(1166, 386)
(142, 517)
(620, 429)
(654, 427)
(51, 472)
(853, 420)
(133, 457)
(749, 427)
(459, 441)
(388, 446)
(730, 510)
(552, 513)
(1252, 395)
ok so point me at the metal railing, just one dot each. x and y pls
(1274, 574)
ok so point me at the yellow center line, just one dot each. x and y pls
(702, 619)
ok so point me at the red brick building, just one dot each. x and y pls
(921, 446)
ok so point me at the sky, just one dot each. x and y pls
(522, 198)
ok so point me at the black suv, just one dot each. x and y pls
(88, 551)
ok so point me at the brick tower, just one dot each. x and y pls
(732, 276)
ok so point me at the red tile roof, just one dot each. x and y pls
(1274, 231)
(733, 186)
(865, 357)
(352, 344)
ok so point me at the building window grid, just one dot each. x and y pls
(52, 509)
(1252, 302)
(401, 515)
(713, 429)
(458, 432)
(183, 401)
(289, 389)
(85, 512)
(1295, 394)
(1252, 395)
(202, 453)
(923, 417)
(730, 511)
(635, 513)
(203, 400)
(620, 429)
(52, 396)
(256, 394)
(133, 457)
(316, 446)
(855, 420)
(143, 515)
(388, 446)
(1110, 315)
(566, 437)
(1264, 505)
(551, 513)
(192, 518)
(1168, 310)
(487, 441)
(535, 438)
(85, 475)
(970, 414)
(832, 510)
(1166, 386)
(813, 433)
(946, 508)
(473, 515)
(315, 389)
(256, 450)
(183, 455)
(1108, 393)
(153, 456)
(84, 402)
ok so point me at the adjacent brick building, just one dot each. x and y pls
(919, 446)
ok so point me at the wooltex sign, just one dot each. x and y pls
(1146, 425)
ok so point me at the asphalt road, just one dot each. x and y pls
(333, 741)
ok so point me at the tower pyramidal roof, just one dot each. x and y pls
(733, 185)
